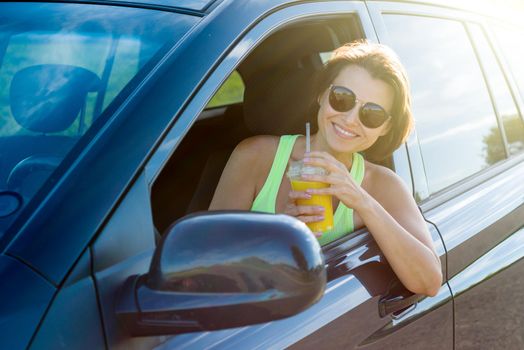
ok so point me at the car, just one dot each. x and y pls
(117, 118)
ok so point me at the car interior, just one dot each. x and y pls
(277, 77)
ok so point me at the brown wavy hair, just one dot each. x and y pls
(381, 63)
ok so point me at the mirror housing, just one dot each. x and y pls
(217, 270)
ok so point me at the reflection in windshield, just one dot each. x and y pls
(61, 67)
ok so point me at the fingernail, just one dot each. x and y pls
(321, 208)
(306, 160)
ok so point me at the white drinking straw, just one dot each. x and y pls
(308, 147)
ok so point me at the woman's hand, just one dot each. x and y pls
(341, 183)
(391, 216)
(304, 213)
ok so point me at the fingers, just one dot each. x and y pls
(306, 214)
(297, 210)
(332, 191)
(323, 163)
(310, 218)
(332, 179)
(317, 234)
(293, 195)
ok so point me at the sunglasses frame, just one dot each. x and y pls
(387, 115)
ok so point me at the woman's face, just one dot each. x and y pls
(342, 131)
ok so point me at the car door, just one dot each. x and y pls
(361, 285)
(467, 162)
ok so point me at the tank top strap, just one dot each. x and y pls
(267, 197)
(357, 168)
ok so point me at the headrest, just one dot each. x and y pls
(280, 95)
(47, 98)
(281, 102)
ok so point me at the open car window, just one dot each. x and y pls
(273, 99)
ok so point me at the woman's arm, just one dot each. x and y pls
(391, 216)
(237, 186)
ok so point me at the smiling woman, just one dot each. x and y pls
(363, 106)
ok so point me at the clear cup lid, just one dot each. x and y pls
(298, 168)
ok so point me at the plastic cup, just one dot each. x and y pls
(296, 170)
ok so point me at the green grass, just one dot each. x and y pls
(232, 91)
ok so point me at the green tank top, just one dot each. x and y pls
(267, 197)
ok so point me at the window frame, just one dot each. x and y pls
(377, 11)
(514, 92)
(499, 53)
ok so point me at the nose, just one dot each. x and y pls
(351, 116)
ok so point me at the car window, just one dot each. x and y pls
(454, 116)
(510, 41)
(513, 126)
(325, 56)
(61, 67)
(231, 92)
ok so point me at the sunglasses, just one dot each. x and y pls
(342, 99)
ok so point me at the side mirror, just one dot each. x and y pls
(217, 270)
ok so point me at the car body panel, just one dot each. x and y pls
(124, 248)
(489, 293)
(73, 318)
(25, 297)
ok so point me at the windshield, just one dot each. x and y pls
(61, 67)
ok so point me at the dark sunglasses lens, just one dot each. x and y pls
(341, 99)
(372, 115)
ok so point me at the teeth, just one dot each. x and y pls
(344, 132)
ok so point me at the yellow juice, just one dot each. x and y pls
(316, 200)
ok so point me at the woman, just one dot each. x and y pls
(364, 105)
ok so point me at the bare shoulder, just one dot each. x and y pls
(242, 173)
(254, 155)
(257, 146)
(255, 151)
(384, 184)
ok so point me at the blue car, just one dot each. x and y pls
(117, 118)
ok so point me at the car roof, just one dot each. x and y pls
(488, 8)
(190, 6)
(195, 5)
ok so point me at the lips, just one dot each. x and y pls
(344, 133)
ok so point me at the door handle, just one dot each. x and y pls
(398, 305)
(398, 300)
